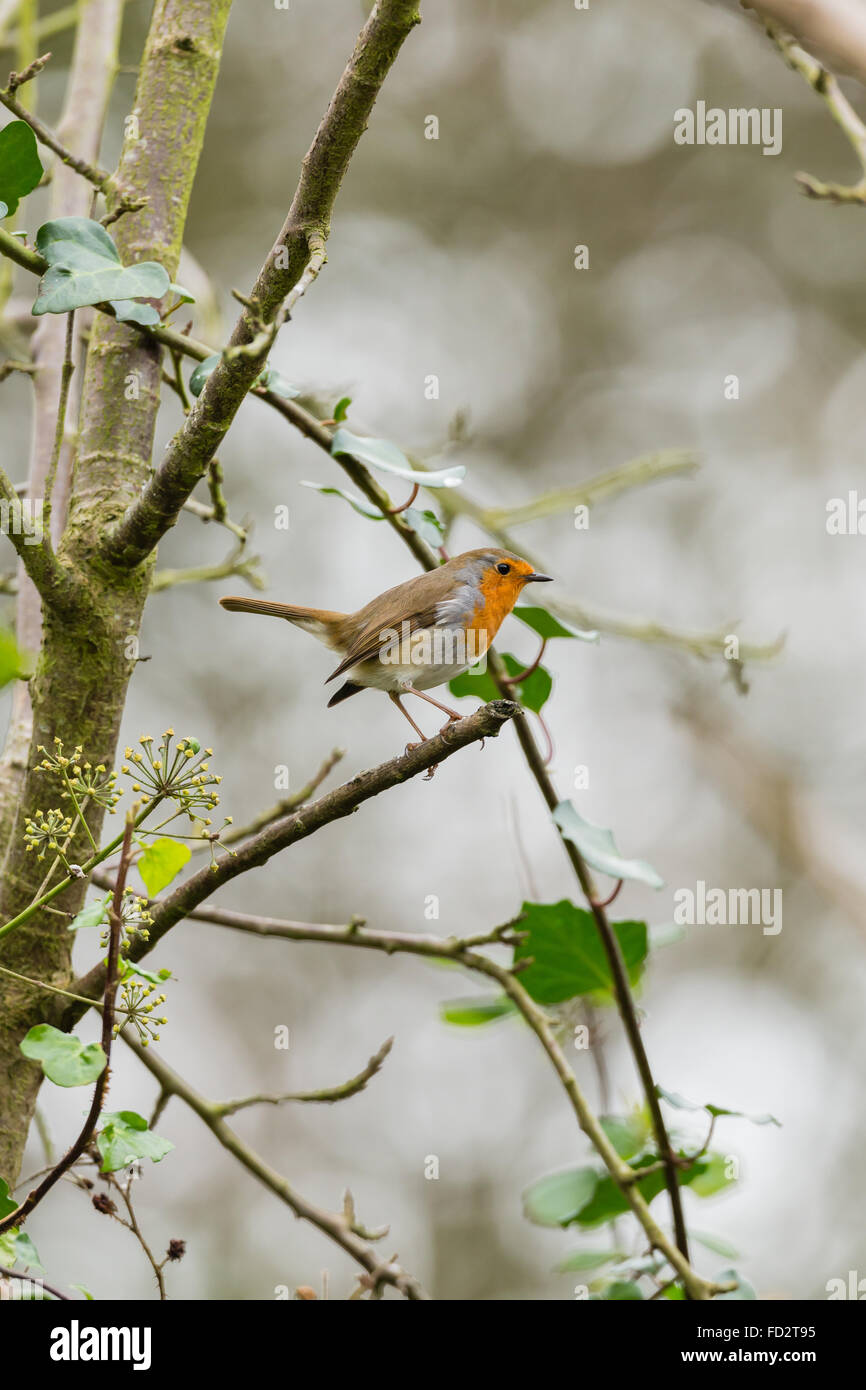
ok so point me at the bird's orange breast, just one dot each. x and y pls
(499, 593)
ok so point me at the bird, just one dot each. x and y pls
(417, 635)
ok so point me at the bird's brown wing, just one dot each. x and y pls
(369, 641)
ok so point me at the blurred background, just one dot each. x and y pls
(454, 257)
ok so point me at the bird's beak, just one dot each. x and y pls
(538, 578)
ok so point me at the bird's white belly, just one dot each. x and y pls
(427, 658)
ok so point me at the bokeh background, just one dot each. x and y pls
(455, 257)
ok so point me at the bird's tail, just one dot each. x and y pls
(319, 621)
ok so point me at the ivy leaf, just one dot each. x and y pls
(715, 1243)
(161, 862)
(476, 681)
(183, 295)
(475, 1010)
(556, 1199)
(12, 660)
(153, 977)
(20, 165)
(598, 849)
(580, 1260)
(426, 524)
(125, 1137)
(627, 1133)
(84, 267)
(7, 1203)
(92, 916)
(680, 1103)
(623, 1289)
(382, 454)
(743, 1290)
(66, 1060)
(533, 693)
(547, 626)
(131, 311)
(26, 1253)
(705, 1177)
(360, 504)
(200, 374)
(567, 952)
(272, 380)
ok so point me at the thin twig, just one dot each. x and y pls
(329, 1095)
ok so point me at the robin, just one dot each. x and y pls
(418, 634)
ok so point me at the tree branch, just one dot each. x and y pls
(463, 953)
(334, 1225)
(329, 1095)
(484, 723)
(825, 85)
(299, 246)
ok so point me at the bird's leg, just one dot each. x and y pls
(453, 716)
(392, 695)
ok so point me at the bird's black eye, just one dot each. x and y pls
(503, 568)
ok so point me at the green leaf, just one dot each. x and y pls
(567, 952)
(475, 1010)
(665, 934)
(125, 1137)
(382, 454)
(153, 977)
(533, 693)
(547, 626)
(360, 504)
(710, 1175)
(12, 661)
(26, 1252)
(587, 1259)
(598, 849)
(81, 1289)
(623, 1289)
(84, 268)
(183, 295)
(704, 1177)
(66, 1060)
(92, 916)
(627, 1133)
(556, 1199)
(130, 311)
(426, 524)
(715, 1243)
(476, 681)
(20, 166)
(272, 380)
(680, 1103)
(341, 409)
(7, 1203)
(161, 862)
(200, 374)
(743, 1290)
